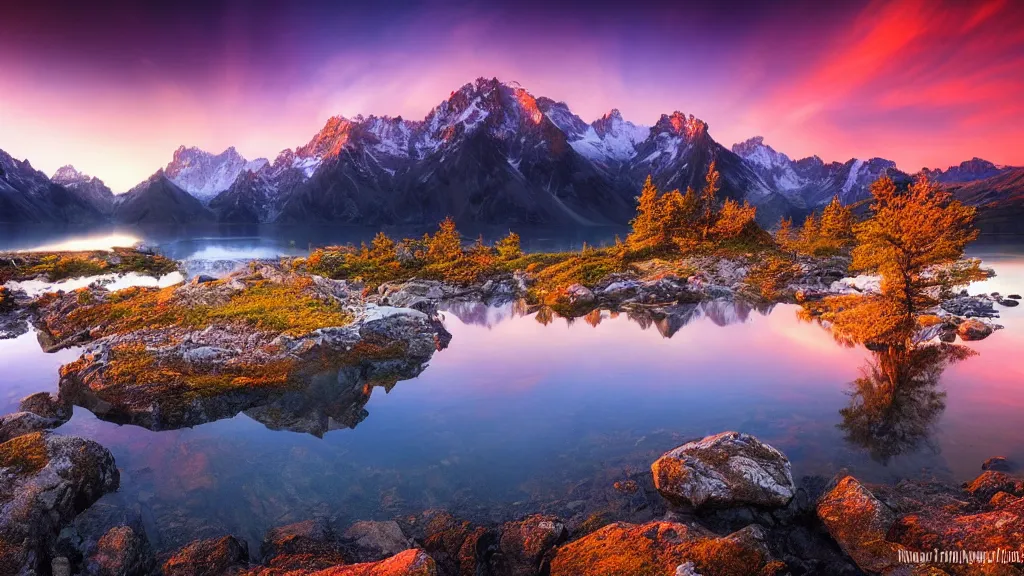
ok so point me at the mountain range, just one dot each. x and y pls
(491, 153)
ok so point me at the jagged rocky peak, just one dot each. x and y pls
(967, 171)
(330, 140)
(69, 175)
(203, 174)
(756, 151)
(680, 124)
(560, 114)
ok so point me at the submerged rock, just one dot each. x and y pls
(727, 469)
(370, 541)
(45, 480)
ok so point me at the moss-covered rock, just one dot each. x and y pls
(45, 480)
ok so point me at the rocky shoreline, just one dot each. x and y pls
(302, 352)
(724, 505)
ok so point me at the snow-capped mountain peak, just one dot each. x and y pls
(68, 175)
(774, 167)
(204, 175)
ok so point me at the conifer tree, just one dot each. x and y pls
(708, 201)
(446, 244)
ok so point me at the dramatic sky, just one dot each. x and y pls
(114, 90)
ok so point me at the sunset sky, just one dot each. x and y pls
(115, 90)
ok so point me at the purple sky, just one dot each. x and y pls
(115, 90)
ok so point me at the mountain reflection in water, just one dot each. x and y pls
(667, 320)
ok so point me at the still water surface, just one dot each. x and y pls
(517, 413)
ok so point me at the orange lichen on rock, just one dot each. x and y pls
(25, 454)
(409, 563)
(658, 548)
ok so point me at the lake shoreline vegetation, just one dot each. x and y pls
(366, 316)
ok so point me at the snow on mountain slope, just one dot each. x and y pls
(203, 174)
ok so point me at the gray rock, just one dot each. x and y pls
(21, 423)
(1009, 303)
(52, 479)
(46, 405)
(727, 469)
(578, 294)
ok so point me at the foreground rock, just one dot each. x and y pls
(259, 341)
(308, 545)
(213, 557)
(122, 551)
(727, 469)
(876, 525)
(45, 480)
(661, 548)
(859, 522)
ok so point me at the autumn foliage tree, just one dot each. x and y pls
(673, 220)
(446, 244)
(915, 241)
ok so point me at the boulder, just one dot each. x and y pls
(122, 551)
(21, 423)
(662, 548)
(859, 523)
(972, 329)
(457, 546)
(999, 464)
(526, 546)
(370, 541)
(986, 485)
(309, 545)
(46, 405)
(1008, 302)
(45, 480)
(578, 295)
(212, 557)
(727, 469)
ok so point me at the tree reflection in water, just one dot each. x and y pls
(896, 402)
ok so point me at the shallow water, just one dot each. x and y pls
(517, 413)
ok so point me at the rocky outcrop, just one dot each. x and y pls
(225, 556)
(661, 548)
(45, 480)
(238, 354)
(859, 523)
(874, 525)
(726, 469)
